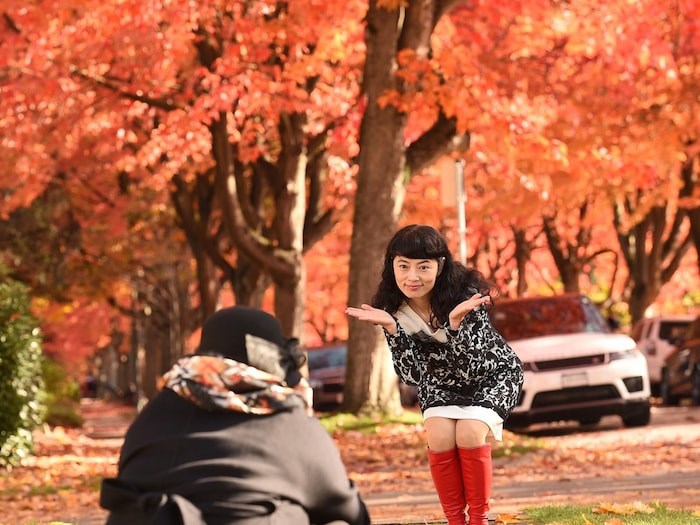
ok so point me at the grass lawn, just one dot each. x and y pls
(610, 514)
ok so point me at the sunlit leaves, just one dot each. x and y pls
(624, 509)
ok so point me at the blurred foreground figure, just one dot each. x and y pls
(229, 439)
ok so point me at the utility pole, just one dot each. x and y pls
(453, 193)
(461, 196)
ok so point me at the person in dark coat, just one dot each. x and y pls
(230, 440)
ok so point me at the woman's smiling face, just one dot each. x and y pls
(415, 277)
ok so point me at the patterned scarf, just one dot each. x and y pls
(219, 383)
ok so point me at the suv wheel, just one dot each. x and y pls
(695, 387)
(639, 417)
(665, 390)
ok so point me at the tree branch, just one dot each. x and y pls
(436, 142)
(166, 104)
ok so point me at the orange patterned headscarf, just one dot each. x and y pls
(219, 383)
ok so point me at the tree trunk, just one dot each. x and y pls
(691, 180)
(694, 216)
(289, 304)
(652, 250)
(522, 256)
(249, 283)
(379, 198)
(207, 284)
(565, 256)
(156, 355)
(289, 223)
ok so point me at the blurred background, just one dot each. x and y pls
(159, 160)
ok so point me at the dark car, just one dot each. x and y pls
(680, 376)
(327, 374)
(327, 377)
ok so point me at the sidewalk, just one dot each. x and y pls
(106, 419)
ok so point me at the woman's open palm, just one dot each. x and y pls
(373, 315)
(463, 308)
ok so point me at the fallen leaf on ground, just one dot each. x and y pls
(636, 507)
(507, 519)
(613, 521)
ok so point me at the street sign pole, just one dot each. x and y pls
(461, 196)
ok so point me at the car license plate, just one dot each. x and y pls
(572, 380)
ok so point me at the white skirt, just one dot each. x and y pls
(488, 416)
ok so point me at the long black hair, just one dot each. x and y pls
(455, 282)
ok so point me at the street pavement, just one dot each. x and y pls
(666, 486)
(678, 488)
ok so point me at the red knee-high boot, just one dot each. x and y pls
(477, 473)
(447, 477)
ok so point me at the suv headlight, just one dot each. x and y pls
(622, 354)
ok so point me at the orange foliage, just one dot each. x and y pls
(73, 332)
(565, 103)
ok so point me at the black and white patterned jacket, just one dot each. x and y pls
(470, 366)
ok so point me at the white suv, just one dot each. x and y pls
(656, 338)
(575, 367)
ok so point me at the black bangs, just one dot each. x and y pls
(417, 242)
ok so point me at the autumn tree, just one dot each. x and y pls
(609, 102)
(653, 246)
(633, 135)
(235, 129)
(238, 113)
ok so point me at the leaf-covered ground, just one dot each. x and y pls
(60, 483)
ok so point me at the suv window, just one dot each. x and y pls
(673, 330)
(522, 319)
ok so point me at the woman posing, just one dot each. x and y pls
(433, 312)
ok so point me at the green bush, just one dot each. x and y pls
(62, 396)
(21, 383)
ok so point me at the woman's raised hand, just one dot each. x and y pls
(463, 308)
(373, 315)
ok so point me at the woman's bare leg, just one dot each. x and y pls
(470, 433)
(441, 432)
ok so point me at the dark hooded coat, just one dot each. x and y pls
(181, 463)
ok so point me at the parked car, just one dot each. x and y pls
(327, 374)
(680, 377)
(656, 338)
(575, 367)
(327, 377)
